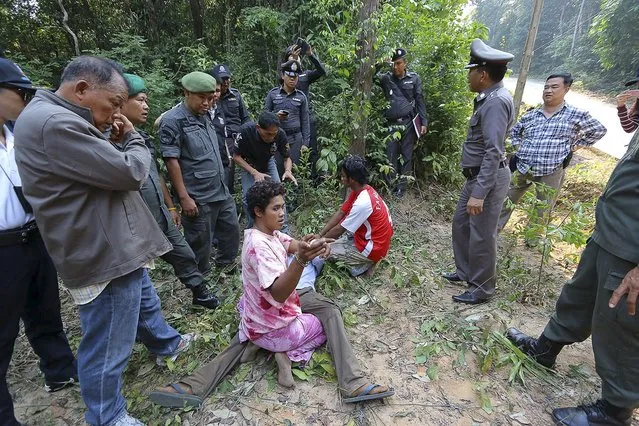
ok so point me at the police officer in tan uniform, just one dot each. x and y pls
(487, 175)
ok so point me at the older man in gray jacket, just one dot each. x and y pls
(95, 225)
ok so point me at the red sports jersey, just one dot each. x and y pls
(368, 218)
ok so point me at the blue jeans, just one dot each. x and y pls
(247, 183)
(126, 308)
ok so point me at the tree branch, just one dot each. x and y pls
(65, 19)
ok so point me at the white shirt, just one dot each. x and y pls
(12, 215)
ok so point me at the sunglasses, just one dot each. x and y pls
(25, 94)
(290, 74)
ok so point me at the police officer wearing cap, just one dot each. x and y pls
(235, 113)
(29, 289)
(291, 107)
(487, 175)
(304, 81)
(158, 199)
(191, 152)
(403, 90)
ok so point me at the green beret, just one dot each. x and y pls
(198, 82)
(135, 84)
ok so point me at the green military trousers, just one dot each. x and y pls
(582, 310)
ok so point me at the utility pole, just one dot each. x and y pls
(528, 52)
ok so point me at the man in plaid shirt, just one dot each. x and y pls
(545, 139)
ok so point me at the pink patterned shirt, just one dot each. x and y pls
(263, 261)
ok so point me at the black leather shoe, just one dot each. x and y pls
(541, 350)
(452, 276)
(600, 413)
(202, 296)
(471, 298)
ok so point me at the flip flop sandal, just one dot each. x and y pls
(366, 395)
(180, 399)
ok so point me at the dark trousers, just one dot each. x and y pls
(313, 145)
(582, 310)
(181, 258)
(401, 149)
(217, 218)
(349, 374)
(29, 290)
(229, 171)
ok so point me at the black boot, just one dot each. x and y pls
(202, 296)
(601, 413)
(541, 350)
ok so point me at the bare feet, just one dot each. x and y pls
(250, 353)
(284, 373)
(370, 271)
(359, 390)
(169, 389)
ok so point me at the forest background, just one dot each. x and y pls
(162, 40)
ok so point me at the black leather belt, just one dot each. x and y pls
(471, 173)
(21, 235)
(293, 130)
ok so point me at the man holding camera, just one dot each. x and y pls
(545, 139)
(403, 89)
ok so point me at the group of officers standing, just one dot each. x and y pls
(201, 173)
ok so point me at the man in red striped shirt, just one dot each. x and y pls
(362, 226)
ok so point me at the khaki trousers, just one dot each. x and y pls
(349, 374)
(521, 183)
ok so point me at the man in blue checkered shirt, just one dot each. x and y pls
(545, 139)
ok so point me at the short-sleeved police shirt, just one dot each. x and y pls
(191, 139)
(255, 151)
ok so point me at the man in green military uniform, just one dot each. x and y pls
(158, 199)
(191, 152)
(600, 301)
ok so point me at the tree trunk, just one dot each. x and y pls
(65, 20)
(197, 12)
(363, 84)
(574, 34)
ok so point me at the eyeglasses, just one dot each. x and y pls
(290, 74)
(25, 94)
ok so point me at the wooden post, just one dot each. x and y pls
(528, 52)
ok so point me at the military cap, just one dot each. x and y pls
(481, 54)
(198, 82)
(292, 67)
(398, 54)
(134, 83)
(221, 71)
(634, 80)
(12, 76)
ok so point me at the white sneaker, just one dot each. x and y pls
(127, 420)
(186, 341)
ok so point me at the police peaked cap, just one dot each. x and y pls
(398, 54)
(292, 66)
(481, 55)
(198, 82)
(221, 71)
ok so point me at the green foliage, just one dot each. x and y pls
(592, 45)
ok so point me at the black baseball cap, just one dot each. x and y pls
(398, 54)
(221, 71)
(12, 76)
(634, 80)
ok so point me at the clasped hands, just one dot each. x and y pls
(312, 245)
